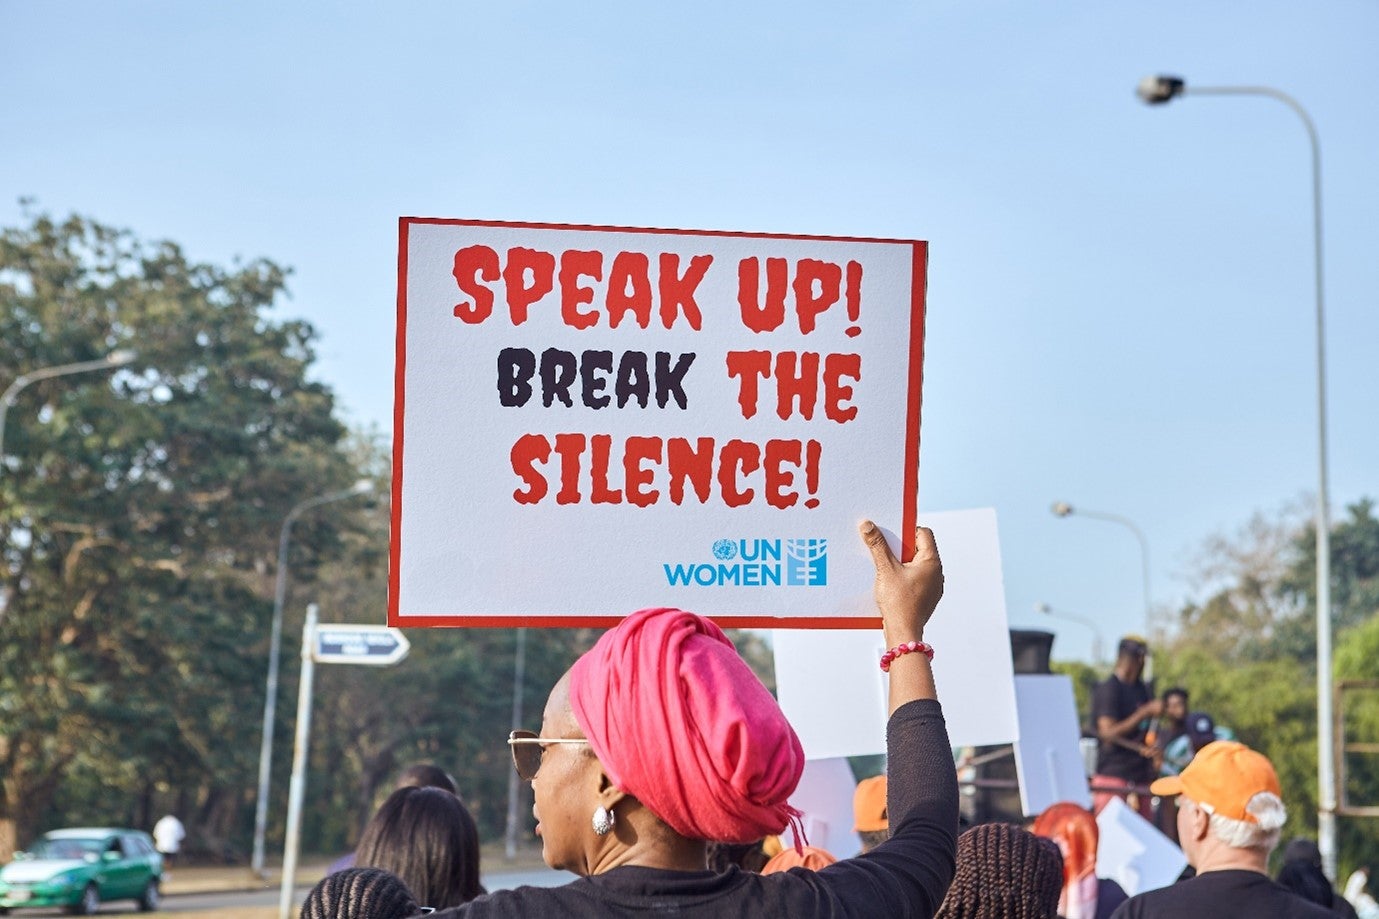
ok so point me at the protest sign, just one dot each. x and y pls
(834, 693)
(1048, 755)
(1132, 852)
(591, 420)
(824, 799)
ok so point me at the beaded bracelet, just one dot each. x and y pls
(905, 647)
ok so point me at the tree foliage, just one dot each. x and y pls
(1247, 652)
(139, 510)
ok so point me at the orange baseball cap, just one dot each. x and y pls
(869, 805)
(811, 857)
(1224, 775)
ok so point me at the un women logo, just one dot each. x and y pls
(806, 562)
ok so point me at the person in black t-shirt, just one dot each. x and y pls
(1230, 814)
(1122, 708)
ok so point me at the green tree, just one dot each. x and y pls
(1084, 677)
(1357, 659)
(1354, 577)
(139, 512)
(1271, 704)
(1247, 652)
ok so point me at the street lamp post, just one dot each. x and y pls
(114, 359)
(1064, 509)
(1097, 643)
(1157, 90)
(270, 705)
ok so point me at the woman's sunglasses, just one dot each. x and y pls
(527, 746)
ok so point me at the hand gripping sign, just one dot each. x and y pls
(590, 420)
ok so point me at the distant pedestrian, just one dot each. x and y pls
(1230, 814)
(360, 893)
(1199, 729)
(1301, 873)
(168, 834)
(427, 775)
(1172, 721)
(1122, 710)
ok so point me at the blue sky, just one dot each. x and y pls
(1120, 300)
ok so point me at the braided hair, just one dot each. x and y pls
(1004, 872)
(360, 893)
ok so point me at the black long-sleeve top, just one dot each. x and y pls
(906, 876)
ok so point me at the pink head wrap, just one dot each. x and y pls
(681, 723)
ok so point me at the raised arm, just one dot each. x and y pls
(907, 875)
(906, 595)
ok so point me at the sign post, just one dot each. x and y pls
(371, 645)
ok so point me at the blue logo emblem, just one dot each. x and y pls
(806, 562)
(755, 562)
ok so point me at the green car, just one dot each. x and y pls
(81, 868)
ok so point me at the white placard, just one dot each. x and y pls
(1048, 755)
(824, 797)
(1132, 852)
(832, 689)
(592, 420)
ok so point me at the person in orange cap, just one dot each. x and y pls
(811, 857)
(1230, 814)
(869, 812)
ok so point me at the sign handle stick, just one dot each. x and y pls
(1052, 755)
(297, 790)
(514, 787)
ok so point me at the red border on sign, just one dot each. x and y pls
(919, 276)
(399, 395)
(910, 496)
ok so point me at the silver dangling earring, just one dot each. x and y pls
(603, 820)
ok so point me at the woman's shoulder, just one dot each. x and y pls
(526, 901)
(630, 892)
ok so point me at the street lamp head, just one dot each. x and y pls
(362, 487)
(1061, 508)
(120, 357)
(1159, 89)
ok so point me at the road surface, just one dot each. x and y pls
(190, 902)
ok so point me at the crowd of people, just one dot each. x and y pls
(663, 770)
(1141, 738)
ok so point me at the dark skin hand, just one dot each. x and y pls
(906, 594)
